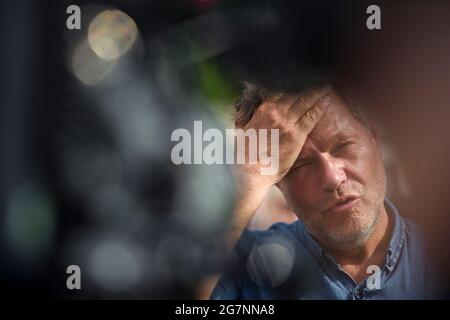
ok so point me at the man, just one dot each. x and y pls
(349, 242)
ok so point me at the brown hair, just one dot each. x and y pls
(252, 96)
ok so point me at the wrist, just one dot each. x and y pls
(250, 178)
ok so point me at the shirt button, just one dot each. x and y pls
(358, 294)
(390, 265)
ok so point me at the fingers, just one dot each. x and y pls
(304, 109)
(308, 121)
(286, 101)
(274, 96)
(282, 100)
(305, 103)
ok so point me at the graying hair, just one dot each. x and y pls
(252, 96)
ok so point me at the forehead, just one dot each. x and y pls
(338, 121)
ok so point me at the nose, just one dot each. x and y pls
(333, 173)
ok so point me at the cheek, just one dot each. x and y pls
(365, 167)
(301, 191)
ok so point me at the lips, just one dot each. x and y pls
(342, 204)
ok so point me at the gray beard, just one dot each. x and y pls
(345, 241)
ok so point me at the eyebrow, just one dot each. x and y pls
(337, 138)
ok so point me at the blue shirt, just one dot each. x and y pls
(285, 262)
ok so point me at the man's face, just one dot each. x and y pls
(337, 184)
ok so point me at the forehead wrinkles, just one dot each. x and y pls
(331, 125)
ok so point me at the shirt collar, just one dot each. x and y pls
(395, 244)
(398, 235)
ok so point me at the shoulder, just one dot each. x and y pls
(419, 257)
(414, 247)
(255, 253)
(277, 237)
(275, 233)
(277, 230)
(414, 234)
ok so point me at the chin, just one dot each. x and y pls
(353, 239)
(351, 231)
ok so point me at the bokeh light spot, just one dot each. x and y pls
(88, 67)
(270, 264)
(111, 34)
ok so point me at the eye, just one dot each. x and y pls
(343, 145)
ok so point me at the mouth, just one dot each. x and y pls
(342, 204)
